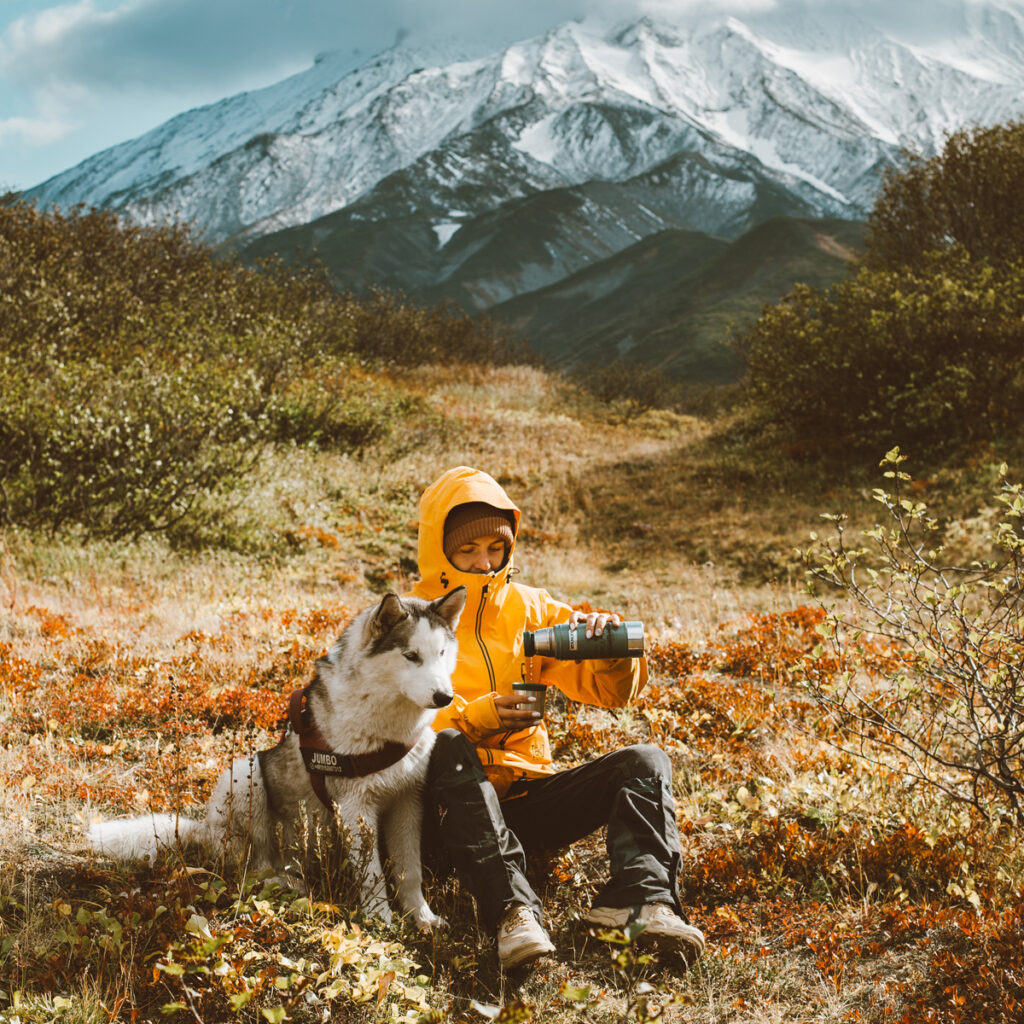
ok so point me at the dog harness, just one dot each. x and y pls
(321, 761)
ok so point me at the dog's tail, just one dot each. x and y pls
(132, 838)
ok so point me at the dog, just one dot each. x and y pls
(357, 745)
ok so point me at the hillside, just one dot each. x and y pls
(207, 471)
(829, 889)
(674, 299)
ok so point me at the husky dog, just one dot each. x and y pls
(368, 710)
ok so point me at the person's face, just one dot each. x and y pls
(481, 554)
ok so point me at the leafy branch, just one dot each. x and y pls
(954, 711)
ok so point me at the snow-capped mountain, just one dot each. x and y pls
(483, 176)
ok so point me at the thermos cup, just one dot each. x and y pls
(571, 643)
(538, 691)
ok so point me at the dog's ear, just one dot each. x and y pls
(450, 606)
(388, 614)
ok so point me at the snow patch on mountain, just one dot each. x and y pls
(444, 230)
(538, 140)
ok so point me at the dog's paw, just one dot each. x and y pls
(426, 920)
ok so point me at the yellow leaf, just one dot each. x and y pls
(27, 783)
(747, 800)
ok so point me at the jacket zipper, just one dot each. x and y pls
(480, 638)
(487, 658)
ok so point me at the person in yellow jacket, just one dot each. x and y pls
(492, 790)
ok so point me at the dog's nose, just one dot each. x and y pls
(442, 699)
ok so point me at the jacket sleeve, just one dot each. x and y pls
(607, 684)
(476, 718)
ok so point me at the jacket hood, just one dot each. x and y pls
(457, 486)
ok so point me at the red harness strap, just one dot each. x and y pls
(321, 761)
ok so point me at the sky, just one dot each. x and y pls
(78, 77)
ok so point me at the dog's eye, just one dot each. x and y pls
(412, 656)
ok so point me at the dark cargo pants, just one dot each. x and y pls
(486, 840)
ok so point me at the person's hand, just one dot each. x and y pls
(512, 719)
(596, 621)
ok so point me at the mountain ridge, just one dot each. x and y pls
(676, 298)
(319, 140)
(482, 176)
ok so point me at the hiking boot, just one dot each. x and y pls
(663, 928)
(521, 939)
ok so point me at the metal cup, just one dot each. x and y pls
(535, 690)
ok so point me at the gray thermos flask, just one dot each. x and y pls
(571, 643)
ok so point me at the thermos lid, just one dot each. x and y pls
(634, 638)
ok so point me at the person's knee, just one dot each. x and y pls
(453, 756)
(449, 743)
(646, 761)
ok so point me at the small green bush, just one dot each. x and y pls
(389, 331)
(967, 198)
(629, 386)
(128, 453)
(347, 412)
(81, 285)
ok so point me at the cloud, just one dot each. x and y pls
(214, 44)
(50, 26)
(33, 130)
(152, 44)
(669, 9)
(202, 44)
(212, 47)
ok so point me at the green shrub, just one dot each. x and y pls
(389, 331)
(127, 453)
(141, 375)
(82, 285)
(967, 198)
(138, 374)
(627, 385)
(924, 343)
(346, 411)
(930, 356)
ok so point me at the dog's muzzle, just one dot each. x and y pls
(441, 699)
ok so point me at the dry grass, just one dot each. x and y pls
(131, 673)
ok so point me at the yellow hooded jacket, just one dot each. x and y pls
(490, 635)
